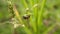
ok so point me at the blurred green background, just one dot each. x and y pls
(50, 16)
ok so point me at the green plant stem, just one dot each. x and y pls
(24, 3)
(40, 15)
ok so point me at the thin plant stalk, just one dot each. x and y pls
(40, 15)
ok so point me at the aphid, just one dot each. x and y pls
(26, 16)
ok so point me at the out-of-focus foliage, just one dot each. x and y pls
(6, 28)
(42, 19)
(4, 13)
